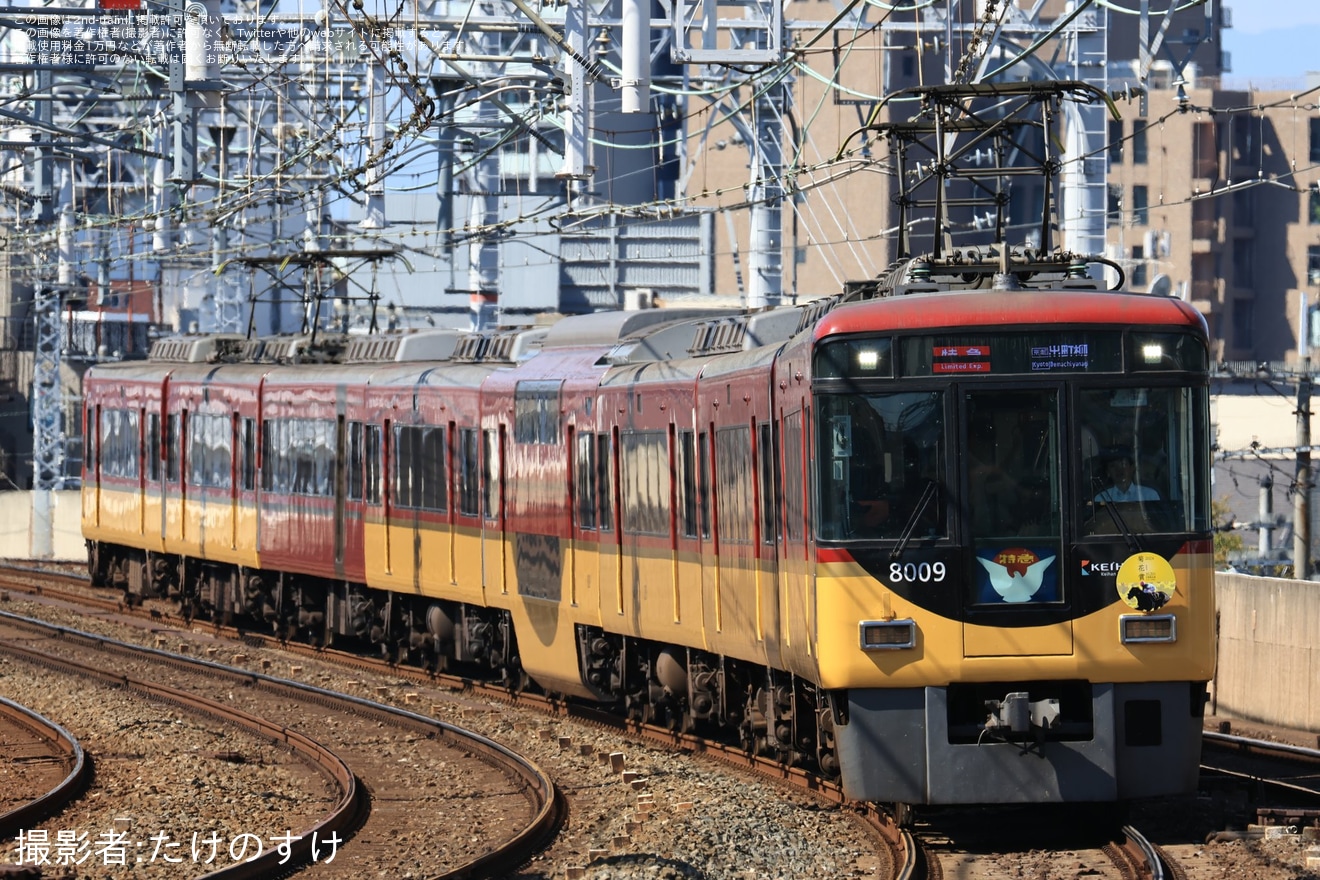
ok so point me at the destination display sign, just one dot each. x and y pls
(1008, 353)
(1013, 353)
(961, 359)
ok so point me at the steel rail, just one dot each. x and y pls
(549, 805)
(68, 751)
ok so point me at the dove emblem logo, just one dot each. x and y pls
(1017, 575)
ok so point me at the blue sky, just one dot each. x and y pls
(1273, 39)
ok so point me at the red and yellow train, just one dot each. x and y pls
(876, 534)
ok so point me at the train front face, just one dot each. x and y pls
(1014, 586)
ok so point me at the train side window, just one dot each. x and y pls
(248, 454)
(120, 444)
(153, 447)
(420, 467)
(644, 472)
(604, 483)
(435, 489)
(703, 482)
(210, 451)
(407, 473)
(769, 508)
(469, 472)
(733, 484)
(687, 485)
(172, 450)
(355, 464)
(90, 447)
(492, 472)
(269, 461)
(325, 456)
(371, 464)
(584, 478)
(536, 411)
(794, 489)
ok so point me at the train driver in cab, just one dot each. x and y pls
(1121, 470)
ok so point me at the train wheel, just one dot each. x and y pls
(903, 815)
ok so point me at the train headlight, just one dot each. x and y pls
(886, 635)
(868, 359)
(1148, 628)
(1152, 352)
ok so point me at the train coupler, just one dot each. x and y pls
(1017, 715)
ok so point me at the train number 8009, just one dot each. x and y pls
(916, 572)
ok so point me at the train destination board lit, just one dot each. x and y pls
(961, 359)
(1065, 356)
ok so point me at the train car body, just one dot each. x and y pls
(871, 536)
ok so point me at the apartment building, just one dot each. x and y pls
(1215, 196)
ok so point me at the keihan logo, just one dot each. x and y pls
(1089, 568)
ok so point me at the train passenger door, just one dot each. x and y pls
(494, 551)
(768, 538)
(92, 465)
(174, 492)
(736, 614)
(1013, 476)
(693, 515)
(153, 490)
(588, 484)
(793, 573)
(611, 527)
(245, 499)
(341, 486)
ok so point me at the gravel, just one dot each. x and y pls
(666, 815)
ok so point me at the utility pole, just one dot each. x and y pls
(1302, 500)
(48, 446)
(1265, 515)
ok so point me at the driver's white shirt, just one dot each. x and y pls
(1133, 492)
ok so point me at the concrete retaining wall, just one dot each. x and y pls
(65, 541)
(1268, 650)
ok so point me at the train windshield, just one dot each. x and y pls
(1128, 461)
(881, 459)
(1143, 468)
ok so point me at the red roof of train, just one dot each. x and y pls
(972, 308)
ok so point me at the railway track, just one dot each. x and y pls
(42, 767)
(367, 748)
(1049, 843)
(900, 854)
(894, 850)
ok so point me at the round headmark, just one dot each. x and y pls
(1145, 581)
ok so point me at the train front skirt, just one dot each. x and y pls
(1144, 741)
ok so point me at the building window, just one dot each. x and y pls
(1138, 278)
(1115, 208)
(1313, 264)
(1204, 218)
(1244, 139)
(1314, 212)
(1138, 142)
(1244, 207)
(1115, 141)
(1205, 150)
(1243, 310)
(1244, 262)
(1140, 217)
(1315, 141)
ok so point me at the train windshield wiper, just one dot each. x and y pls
(1124, 529)
(923, 502)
